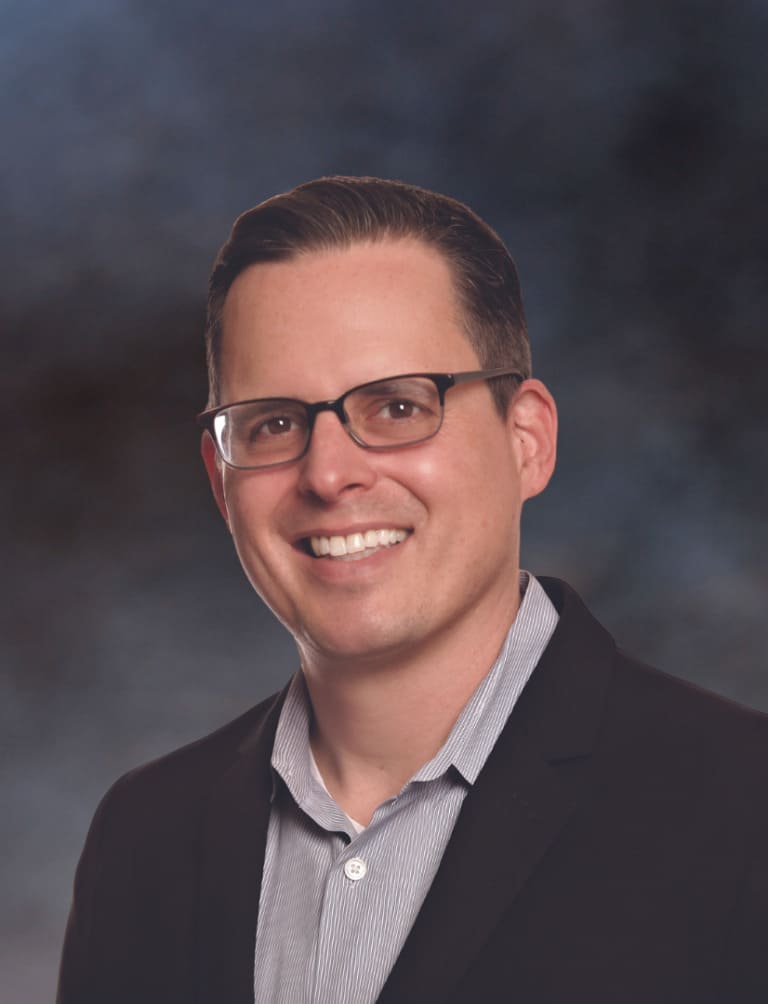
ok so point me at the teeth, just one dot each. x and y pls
(338, 546)
(356, 543)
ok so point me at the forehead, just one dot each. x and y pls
(325, 320)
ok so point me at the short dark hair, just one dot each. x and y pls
(337, 212)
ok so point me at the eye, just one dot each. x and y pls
(274, 425)
(399, 409)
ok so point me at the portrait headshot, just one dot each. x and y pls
(385, 539)
(466, 791)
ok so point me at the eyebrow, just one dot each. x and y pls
(270, 401)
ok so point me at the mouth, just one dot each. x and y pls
(354, 546)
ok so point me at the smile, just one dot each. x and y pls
(354, 546)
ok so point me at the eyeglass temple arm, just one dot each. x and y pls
(457, 378)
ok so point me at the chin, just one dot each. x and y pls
(365, 643)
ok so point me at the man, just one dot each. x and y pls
(466, 793)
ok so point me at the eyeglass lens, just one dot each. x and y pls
(274, 431)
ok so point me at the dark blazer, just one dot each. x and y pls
(613, 849)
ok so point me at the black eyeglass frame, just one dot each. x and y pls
(442, 381)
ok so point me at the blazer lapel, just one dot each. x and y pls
(515, 810)
(234, 835)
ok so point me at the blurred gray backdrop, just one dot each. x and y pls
(619, 148)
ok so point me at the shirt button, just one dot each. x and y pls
(355, 869)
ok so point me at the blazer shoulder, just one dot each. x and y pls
(138, 876)
(185, 772)
(686, 699)
(714, 741)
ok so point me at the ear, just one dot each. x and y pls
(532, 422)
(213, 467)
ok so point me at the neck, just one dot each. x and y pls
(376, 722)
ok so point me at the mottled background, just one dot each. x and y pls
(620, 149)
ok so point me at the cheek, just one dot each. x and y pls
(457, 487)
(481, 483)
(253, 501)
(462, 459)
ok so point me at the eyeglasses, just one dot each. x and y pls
(380, 415)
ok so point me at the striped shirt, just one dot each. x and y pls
(337, 899)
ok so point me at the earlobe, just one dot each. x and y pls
(213, 468)
(533, 426)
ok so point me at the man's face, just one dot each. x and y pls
(311, 328)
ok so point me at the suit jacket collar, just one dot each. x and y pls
(233, 845)
(516, 808)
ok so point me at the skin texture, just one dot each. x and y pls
(393, 645)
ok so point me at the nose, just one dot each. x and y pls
(334, 464)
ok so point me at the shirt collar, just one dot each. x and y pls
(291, 750)
(485, 714)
